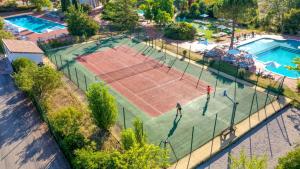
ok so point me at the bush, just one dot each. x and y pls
(1, 23)
(290, 161)
(45, 81)
(180, 31)
(4, 35)
(21, 63)
(80, 24)
(128, 139)
(102, 105)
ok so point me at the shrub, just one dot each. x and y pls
(128, 139)
(290, 161)
(4, 35)
(1, 23)
(180, 31)
(21, 63)
(24, 78)
(102, 105)
(46, 80)
(139, 131)
(80, 24)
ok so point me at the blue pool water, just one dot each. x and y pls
(281, 52)
(34, 24)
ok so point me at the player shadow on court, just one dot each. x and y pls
(175, 124)
(206, 105)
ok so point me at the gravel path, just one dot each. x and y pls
(273, 138)
(25, 141)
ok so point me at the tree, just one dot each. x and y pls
(166, 5)
(65, 4)
(276, 9)
(290, 161)
(163, 18)
(122, 13)
(239, 11)
(180, 31)
(21, 63)
(291, 21)
(79, 23)
(194, 10)
(244, 162)
(102, 105)
(39, 4)
(46, 80)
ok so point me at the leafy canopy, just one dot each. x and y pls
(102, 105)
(79, 23)
(122, 13)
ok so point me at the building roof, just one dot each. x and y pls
(21, 46)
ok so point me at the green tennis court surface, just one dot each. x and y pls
(199, 113)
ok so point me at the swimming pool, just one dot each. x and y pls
(275, 54)
(34, 24)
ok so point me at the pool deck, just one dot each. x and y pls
(32, 36)
(291, 83)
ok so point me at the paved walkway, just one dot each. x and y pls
(25, 141)
(274, 138)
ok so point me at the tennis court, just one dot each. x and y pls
(143, 85)
(149, 84)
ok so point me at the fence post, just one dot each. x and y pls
(76, 77)
(214, 132)
(68, 66)
(61, 62)
(56, 61)
(192, 139)
(280, 87)
(124, 119)
(86, 85)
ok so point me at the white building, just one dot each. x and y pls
(14, 49)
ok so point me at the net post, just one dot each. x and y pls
(191, 148)
(124, 119)
(76, 77)
(85, 81)
(213, 136)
